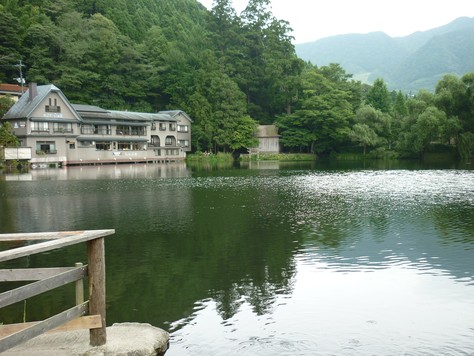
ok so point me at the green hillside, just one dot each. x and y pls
(228, 72)
(406, 63)
(231, 72)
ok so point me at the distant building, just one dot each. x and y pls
(71, 134)
(268, 139)
(11, 90)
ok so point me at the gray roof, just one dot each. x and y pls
(92, 113)
(87, 113)
(174, 113)
(23, 108)
(130, 115)
(88, 108)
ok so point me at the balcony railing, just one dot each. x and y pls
(48, 152)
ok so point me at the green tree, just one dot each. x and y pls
(74, 76)
(363, 135)
(343, 80)
(7, 136)
(428, 128)
(233, 128)
(367, 126)
(41, 51)
(269, 69)
(5, 104)
(325, 112)
(379, 97)
(243, 136)
(10, 48)
(294, 133)
(425, 129)
(400, 109)
(226, 33)
(451, 96)
(454, 97)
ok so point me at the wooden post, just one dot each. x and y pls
(79, 288)
(96, 258)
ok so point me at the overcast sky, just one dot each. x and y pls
(315, 19)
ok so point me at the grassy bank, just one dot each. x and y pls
(279, 157)
(209, 157)
(227, 157)
(358, 156)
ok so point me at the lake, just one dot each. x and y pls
(267, 258)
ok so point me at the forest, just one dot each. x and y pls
(230, 72)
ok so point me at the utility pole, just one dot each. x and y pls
(20, 65)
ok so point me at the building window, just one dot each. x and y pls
(96, 129)
(87, 129)
(138, 131)
(102, 130)
(172, 152)
(153, 126)
(62, 127)
(40, 127)
(131, 146)
(170, 141)
(48, 147)
(162, 126)
(157, 152)
(102, 146)
(155, 141)
(86, 143)
(124, 146)
(184, 143)
(172, 126)
(72, 145)
(123, 130)
(183, 128)
(53, 106)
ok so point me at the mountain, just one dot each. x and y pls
(407, 63)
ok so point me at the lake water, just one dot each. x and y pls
(267, 259)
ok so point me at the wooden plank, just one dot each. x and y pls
(96, 261)
(35, 288)
(32, 236)
(30, 274)
(22, 336)
(79, 288)
(84, 322)
(53, 244)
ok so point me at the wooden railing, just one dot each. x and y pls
(85, 315)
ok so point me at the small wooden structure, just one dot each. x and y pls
(50, 278)
(268, 139)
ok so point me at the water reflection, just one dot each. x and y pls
(385, 312)
(389, 223)
(7, 218)
(122, 171)
(274, 260)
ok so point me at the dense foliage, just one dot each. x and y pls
(228, 71)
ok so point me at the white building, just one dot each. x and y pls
(68, 134)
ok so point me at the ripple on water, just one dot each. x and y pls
(283, 344)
